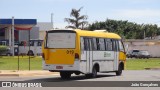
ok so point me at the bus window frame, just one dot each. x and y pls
(60, 31)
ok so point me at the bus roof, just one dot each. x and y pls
(97, 34)
(90, 33)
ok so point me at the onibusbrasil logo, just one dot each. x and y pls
(21, 84)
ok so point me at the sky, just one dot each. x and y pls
(138, 11)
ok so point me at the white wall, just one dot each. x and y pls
(152, 46)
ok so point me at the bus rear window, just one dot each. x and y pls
(61, 40)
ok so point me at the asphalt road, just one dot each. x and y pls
(128, 75)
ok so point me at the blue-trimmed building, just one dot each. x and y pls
(19, 24)
(12, 30)
(21, 33)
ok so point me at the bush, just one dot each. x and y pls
(3, 49)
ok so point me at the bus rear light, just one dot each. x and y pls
(76, 56)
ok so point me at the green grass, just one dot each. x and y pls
(11, 63)
(141, 64)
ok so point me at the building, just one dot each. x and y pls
(43, 27)
(10, 30)
(24, 31)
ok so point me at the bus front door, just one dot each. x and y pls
(116, 55)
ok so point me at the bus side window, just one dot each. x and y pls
(82, 43)
(109, 45)
(115, 45)
(94, 44)
(86, 47)
(101, 44)
(121, 47)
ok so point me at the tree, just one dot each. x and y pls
(128, 30)
(78, 21)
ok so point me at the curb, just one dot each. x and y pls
(152, 68)
(6, 75)
(26, 74)
(37, 74)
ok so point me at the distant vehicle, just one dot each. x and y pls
(35, 47)
(133, 53)
(143, 54)
(6, 52)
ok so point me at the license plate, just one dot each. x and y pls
(59, 67)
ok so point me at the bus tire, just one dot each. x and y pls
(119, 72)
(94, 72)
(77, 73)
(65, 75)
(88, 75)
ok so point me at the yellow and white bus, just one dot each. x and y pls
(86, 52)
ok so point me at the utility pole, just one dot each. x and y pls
(12, 36)
(52, 20)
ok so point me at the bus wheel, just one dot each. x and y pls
(94, 72)
(65, 75)
(88, 75)
(77, 73)
(119, 72)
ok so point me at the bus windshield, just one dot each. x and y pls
(61, 40)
